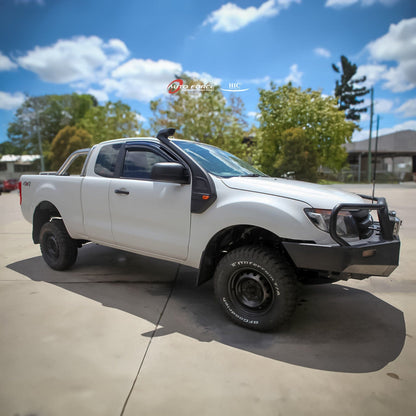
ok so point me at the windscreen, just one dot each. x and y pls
(216, 161)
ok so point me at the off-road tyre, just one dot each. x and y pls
(58, 249)
(256, 287)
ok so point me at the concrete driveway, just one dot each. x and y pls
(120, 334)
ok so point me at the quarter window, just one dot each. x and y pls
(106, 160)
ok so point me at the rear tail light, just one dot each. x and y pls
(19, 185)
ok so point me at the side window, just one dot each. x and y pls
(138, 163)
(75, 168)
(106, 160)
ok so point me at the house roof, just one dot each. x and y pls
(19, 158)
(398, 143)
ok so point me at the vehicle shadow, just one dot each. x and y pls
(335, 328)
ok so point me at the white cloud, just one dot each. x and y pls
(322, 52)
(204, 77)
(381, 106)
(254, 114)
(145, 79)
(295, 76)
(360, 135)
(100, 68)
(407, 125)
(10, 101)
(401, 78)
(100, 95)
(6, 64)
(230, 17)
(142, 79)
(38, 2)
(373, 72)
(81, 58)
(140, 118)
(265, 80)
(364, 134)
(340, 3)
(345, 3)
(408, 108)
(398, 44)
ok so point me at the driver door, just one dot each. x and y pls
(148, 216)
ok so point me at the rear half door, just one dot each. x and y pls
(95, 191)
(149, 216)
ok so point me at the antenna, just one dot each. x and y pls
(375, 159)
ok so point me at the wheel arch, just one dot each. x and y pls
(230, 238)
(42, 214)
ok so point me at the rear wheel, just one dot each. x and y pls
(58, 249)
(256, 288)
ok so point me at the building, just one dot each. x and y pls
(396, 157)
(13, 166)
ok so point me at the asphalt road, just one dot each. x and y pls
(120, 334)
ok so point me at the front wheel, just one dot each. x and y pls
(256, 288)
(58, 249)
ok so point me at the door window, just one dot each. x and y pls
(138, 163)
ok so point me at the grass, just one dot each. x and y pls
(328, 182)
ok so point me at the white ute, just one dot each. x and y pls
(197, 205)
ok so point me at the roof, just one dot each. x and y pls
(398, 143)
(19, 158)
(130, 139)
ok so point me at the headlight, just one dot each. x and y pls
(346, 225)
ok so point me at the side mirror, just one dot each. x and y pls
(170, 172)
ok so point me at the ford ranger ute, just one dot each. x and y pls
(197, 205)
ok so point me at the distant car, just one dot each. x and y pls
(1, 187)
(10, 185)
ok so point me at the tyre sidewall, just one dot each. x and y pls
(278, 278)
(66, 247)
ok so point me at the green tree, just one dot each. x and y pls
(298, 154)
(112, 121)
(46, 115)
(8, 148)
(347, 90)
(67, 141)
(202, 115)
(286, 107)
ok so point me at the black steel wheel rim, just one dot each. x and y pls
(252, 291)
(52, 247)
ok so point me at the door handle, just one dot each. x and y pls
(121, 192)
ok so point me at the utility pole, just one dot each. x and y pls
(375, 158)
(369, 138)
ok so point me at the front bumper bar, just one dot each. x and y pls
(376, 256)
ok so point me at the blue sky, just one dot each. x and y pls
(131, 50)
